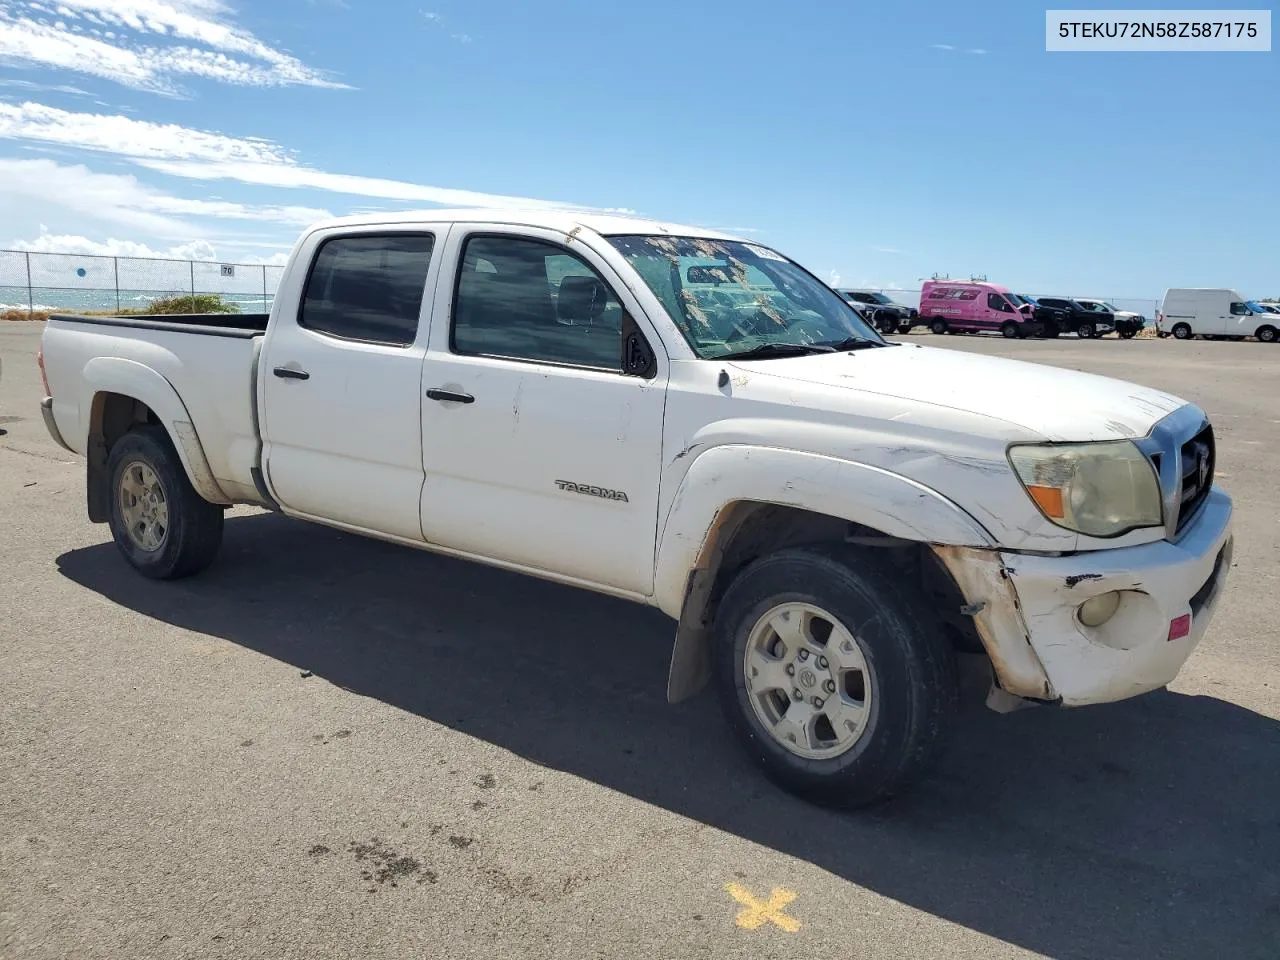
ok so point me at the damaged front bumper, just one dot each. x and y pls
(1026, 609)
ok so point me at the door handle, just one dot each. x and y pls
(288, 373)
(448, 396)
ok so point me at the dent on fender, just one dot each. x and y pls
(993, 604)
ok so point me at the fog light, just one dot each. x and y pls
(1098, 610)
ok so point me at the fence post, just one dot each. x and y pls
(31, 303)
(115, 262)
(192, 264)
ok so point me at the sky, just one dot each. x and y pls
(877, 144)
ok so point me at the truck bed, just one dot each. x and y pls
(212, 324)
(208, 360)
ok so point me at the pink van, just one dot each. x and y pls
(970, 306)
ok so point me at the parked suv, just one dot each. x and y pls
(1052, 319)
(1081, 320)
(887, 315)
(1126, 322)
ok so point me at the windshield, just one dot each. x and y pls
(728, 297)
(880, 298)
(1257, 307)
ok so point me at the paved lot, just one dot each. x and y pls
(482, 765)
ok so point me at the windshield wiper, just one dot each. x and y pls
(766, 350)
(855, 343)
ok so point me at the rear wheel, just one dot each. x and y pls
(1086, 331)
(1181, 331)
(829, 677)
(938, 326)
(162, 526)
(1267, 334)
(1009, 330)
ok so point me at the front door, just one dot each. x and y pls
(540, 449)
(341, 384)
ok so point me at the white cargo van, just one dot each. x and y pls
(1212, 312)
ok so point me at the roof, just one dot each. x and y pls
(552, 218)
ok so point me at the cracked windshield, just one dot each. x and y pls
(735, 299)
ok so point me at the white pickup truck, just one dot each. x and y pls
(686, 420)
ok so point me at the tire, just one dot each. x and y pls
(1127, 334)
(1086, 331)
(1267, 334)
(1181, 331)
(1052, 329)
(191, 532)
(904, 328)
(907, 680)
(1009, 331)
(938, 326)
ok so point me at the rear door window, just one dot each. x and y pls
(368, 288)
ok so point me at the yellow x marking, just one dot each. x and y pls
(756, 913)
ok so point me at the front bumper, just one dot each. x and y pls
(1159, 582)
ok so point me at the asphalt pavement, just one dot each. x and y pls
(326, 746)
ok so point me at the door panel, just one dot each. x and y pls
(344, 443)
(554, 464)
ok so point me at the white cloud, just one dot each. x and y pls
(977, 50)
(886, 249)
(942, 46)
(128, 137)
(295, 176)
(120, 198)
(833, 278)
(214, 47)
(44, 87)
(67, 243)
(200, 155)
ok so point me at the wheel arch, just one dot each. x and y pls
(122, 394)
(710, 533)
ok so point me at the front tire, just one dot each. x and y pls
(1086, 331)
(162, 526)
(1009, 331)
(1267, 334)
(829, 677)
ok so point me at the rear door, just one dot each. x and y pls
(541, 448)
(341, 382)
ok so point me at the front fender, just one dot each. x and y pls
(140, 382)
(871, 496)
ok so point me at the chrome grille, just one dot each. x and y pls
(1196, 473)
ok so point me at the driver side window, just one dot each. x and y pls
(525, 299)
(1239, 310)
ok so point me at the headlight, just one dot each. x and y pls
(1099, 489)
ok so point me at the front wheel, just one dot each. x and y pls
(162, 526)
(1085, 331)
(1009, 331)
(831, 680)
(1267, 334)
(938, 326)
(1127, 334)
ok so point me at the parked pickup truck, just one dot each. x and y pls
(829, 518)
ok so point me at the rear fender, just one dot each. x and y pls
(128, 378)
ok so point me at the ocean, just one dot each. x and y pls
(53, 299)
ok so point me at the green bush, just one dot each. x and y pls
(200, 303)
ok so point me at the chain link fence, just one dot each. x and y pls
(33, 285)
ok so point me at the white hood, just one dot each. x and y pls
(1053, 403)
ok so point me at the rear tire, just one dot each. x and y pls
(1181, 331)
(938, 326)
(162, 526)
(1267, 334)
(821, 745)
